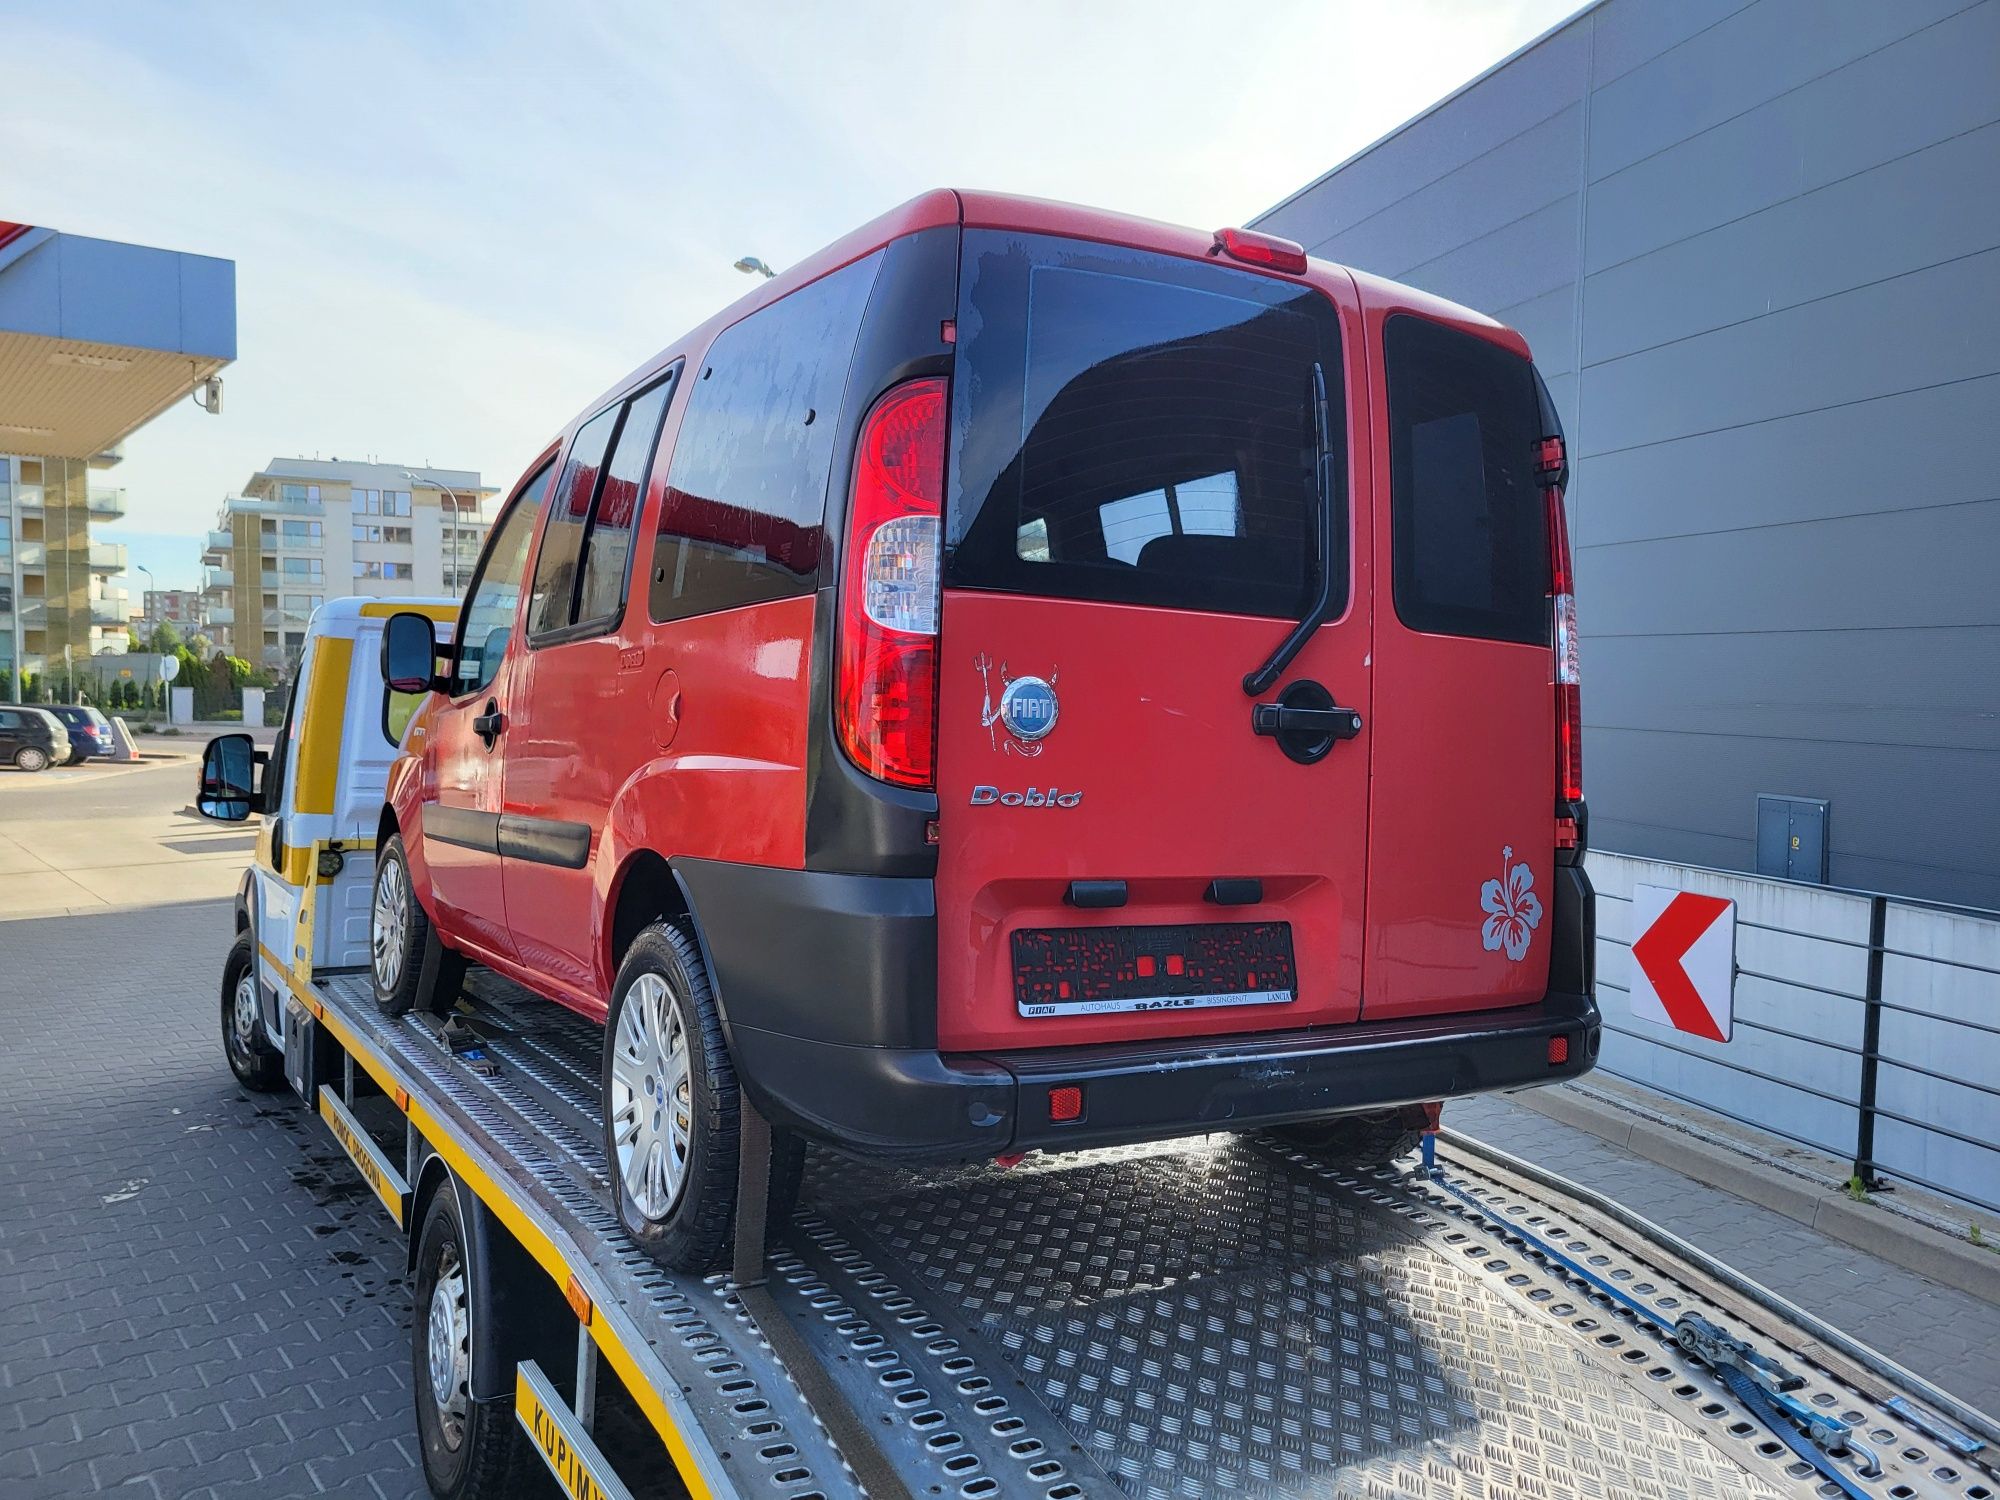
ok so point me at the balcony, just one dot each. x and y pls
(107, 503)
(32, 613)
(218, 614)
(115, 611)
(108, 557)
(251, 506)
(28, 496)
(33, 556)
(217, 579)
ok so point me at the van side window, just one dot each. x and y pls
(1468, 523)
(554, 593)
(607, 546)
(745, 505)
(488, 617)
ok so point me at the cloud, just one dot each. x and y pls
(454, 224)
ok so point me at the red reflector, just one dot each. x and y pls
(1147, 966)
(1265, 250)
(1065, 1104)
(1558, 1050)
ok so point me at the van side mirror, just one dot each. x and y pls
(409, 653)
(228, 790)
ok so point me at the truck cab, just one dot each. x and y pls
(321, 783)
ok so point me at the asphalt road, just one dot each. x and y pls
(95, 838)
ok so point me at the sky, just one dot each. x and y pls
(454, 224)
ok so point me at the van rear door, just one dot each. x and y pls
(1463, 815)
(1131, 529)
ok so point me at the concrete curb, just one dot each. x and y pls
(1915, 1247)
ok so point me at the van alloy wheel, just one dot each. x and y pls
(390, 926)
(651, 1098)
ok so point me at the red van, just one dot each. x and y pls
(1025, 678)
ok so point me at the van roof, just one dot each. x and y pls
(974, 209)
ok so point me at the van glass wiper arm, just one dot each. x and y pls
(1260, 680)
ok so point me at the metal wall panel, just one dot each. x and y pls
(1780, 377)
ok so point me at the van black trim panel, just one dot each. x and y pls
(545, 841)
(827, 985)
(542, 841)
(930, 1106)
(847, 959)
(464, 827)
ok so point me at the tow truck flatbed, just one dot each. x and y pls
(1219, 1316)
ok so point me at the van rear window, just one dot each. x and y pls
(1468, 520)
(1138, 428)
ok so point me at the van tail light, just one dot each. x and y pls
(886, 698)
(1266, 250)
(1567, 673)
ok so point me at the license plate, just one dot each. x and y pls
(1095, 971)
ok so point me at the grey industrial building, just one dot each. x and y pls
(1756, 250)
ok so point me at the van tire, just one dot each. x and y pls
(397, 921)
(1358, 1141)
(471, 1449)
(252, 1058)
(664, 972)
(28, 758)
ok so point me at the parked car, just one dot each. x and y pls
(89, 731)
(1025, 678)
(32, 738)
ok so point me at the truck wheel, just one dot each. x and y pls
(29, 758)
(472, 1450)
(398, 934)
(252, 1059)
(1367, 1140)
(670, 1103)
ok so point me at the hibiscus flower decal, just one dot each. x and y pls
(1512, 908)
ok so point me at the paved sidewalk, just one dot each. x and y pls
(197, 1297)
(1945, 1335)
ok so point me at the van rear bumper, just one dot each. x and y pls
(827, 986)
(926, 1105)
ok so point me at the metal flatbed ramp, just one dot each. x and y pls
(1206, 1318)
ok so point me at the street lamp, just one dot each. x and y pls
(451, 540)
(751, 266)
(152, 583)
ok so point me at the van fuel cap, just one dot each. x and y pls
(1305, 721)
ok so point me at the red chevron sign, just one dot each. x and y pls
(1684, 960)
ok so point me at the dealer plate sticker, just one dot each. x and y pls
(1095, 971)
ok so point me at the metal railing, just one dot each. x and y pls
(1872, 1026)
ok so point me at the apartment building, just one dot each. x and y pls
(96, 339)
(180, 608)
(58, 591)
(307, 530)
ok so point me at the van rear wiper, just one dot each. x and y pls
(1260, 680)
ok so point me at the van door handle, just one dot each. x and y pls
(1277, 721)
(1305, 721)
(489, 724)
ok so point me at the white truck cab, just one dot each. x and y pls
(319, 792)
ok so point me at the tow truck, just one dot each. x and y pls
(1221, 1316)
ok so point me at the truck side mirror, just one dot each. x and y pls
(228, 790)
(409, 653)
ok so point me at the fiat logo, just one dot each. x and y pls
(1028, 708)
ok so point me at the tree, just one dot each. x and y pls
(132, 642)
(31, 688)
(164, 639)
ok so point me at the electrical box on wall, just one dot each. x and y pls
(1791, 837)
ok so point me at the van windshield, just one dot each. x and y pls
(1137, 428)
